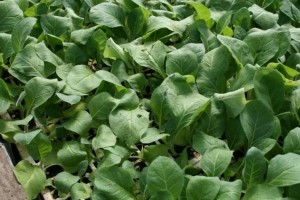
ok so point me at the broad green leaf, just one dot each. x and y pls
(71, 154)
(162, 194)
(74, 54)
(27, 65)
(135, 122)
(284, 170)
(230, 190)
(71, 99)
(107, 14)
(204, 188)
(5, 98)
(242, 18)
(114, 183)
(82, 79)
(235, 134)
(257, 121)
(136, 21)
(82, 36)
(21, 32)
(262, 192)
(213, 120)
(151, 152)
(255, 167)
(239, 50)
(64, 181)
(223, 22)
(292, 141)
(55, 25)
(114, 51)
(159, 23)
(39, 147)
(26, 138)
(81, 191)
(211, 77)
(152, 135)
(80, 123)
(215, 161)
(11, 14)
(265, 145)
(104, 138)
(38, 91)
(202, 11)
(290, 10)
(32, 178)
(184, 109)
(234, 101)
(263, 18)
(182, 61)
(6, 45)
(203, 142)
(143, 57)
(269, 88)
(102, 105)
(244, 78)
(165, 174)
(273, 43)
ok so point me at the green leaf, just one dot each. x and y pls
(19, 35)
(292, 141)
(203, 142)
(11, 14)
(162, 194)
(263, 18)
(55, 25)
(102, 105)
(152, 135)
(104, 138)
(32, 178)
(81, 191)
(263, 192)
(64, 181)
(230, 190)
(5, 98)
(202, 11)
(71, 154)
(71, 99)
(80, 123)
(244, 78)
(182, 61)
(185, 112)
(165, 174)
(223, 22)
(27, 65)
(114, 183)
(136, 21)
(269, 88)
(211, 77)
(135, 122)
(213, 120)
(215, 161)
(255, 167)
(284, 170)
(234, 101)
(82, 79)
(107, 14)
(239, 50)
(6, 45)
(273, 43)
(290, 10)
(204, 188)
(257, 121)
(26, 138)
(38, 91)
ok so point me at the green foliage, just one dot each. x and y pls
(160, 99)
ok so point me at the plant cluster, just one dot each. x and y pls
(156, 99)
